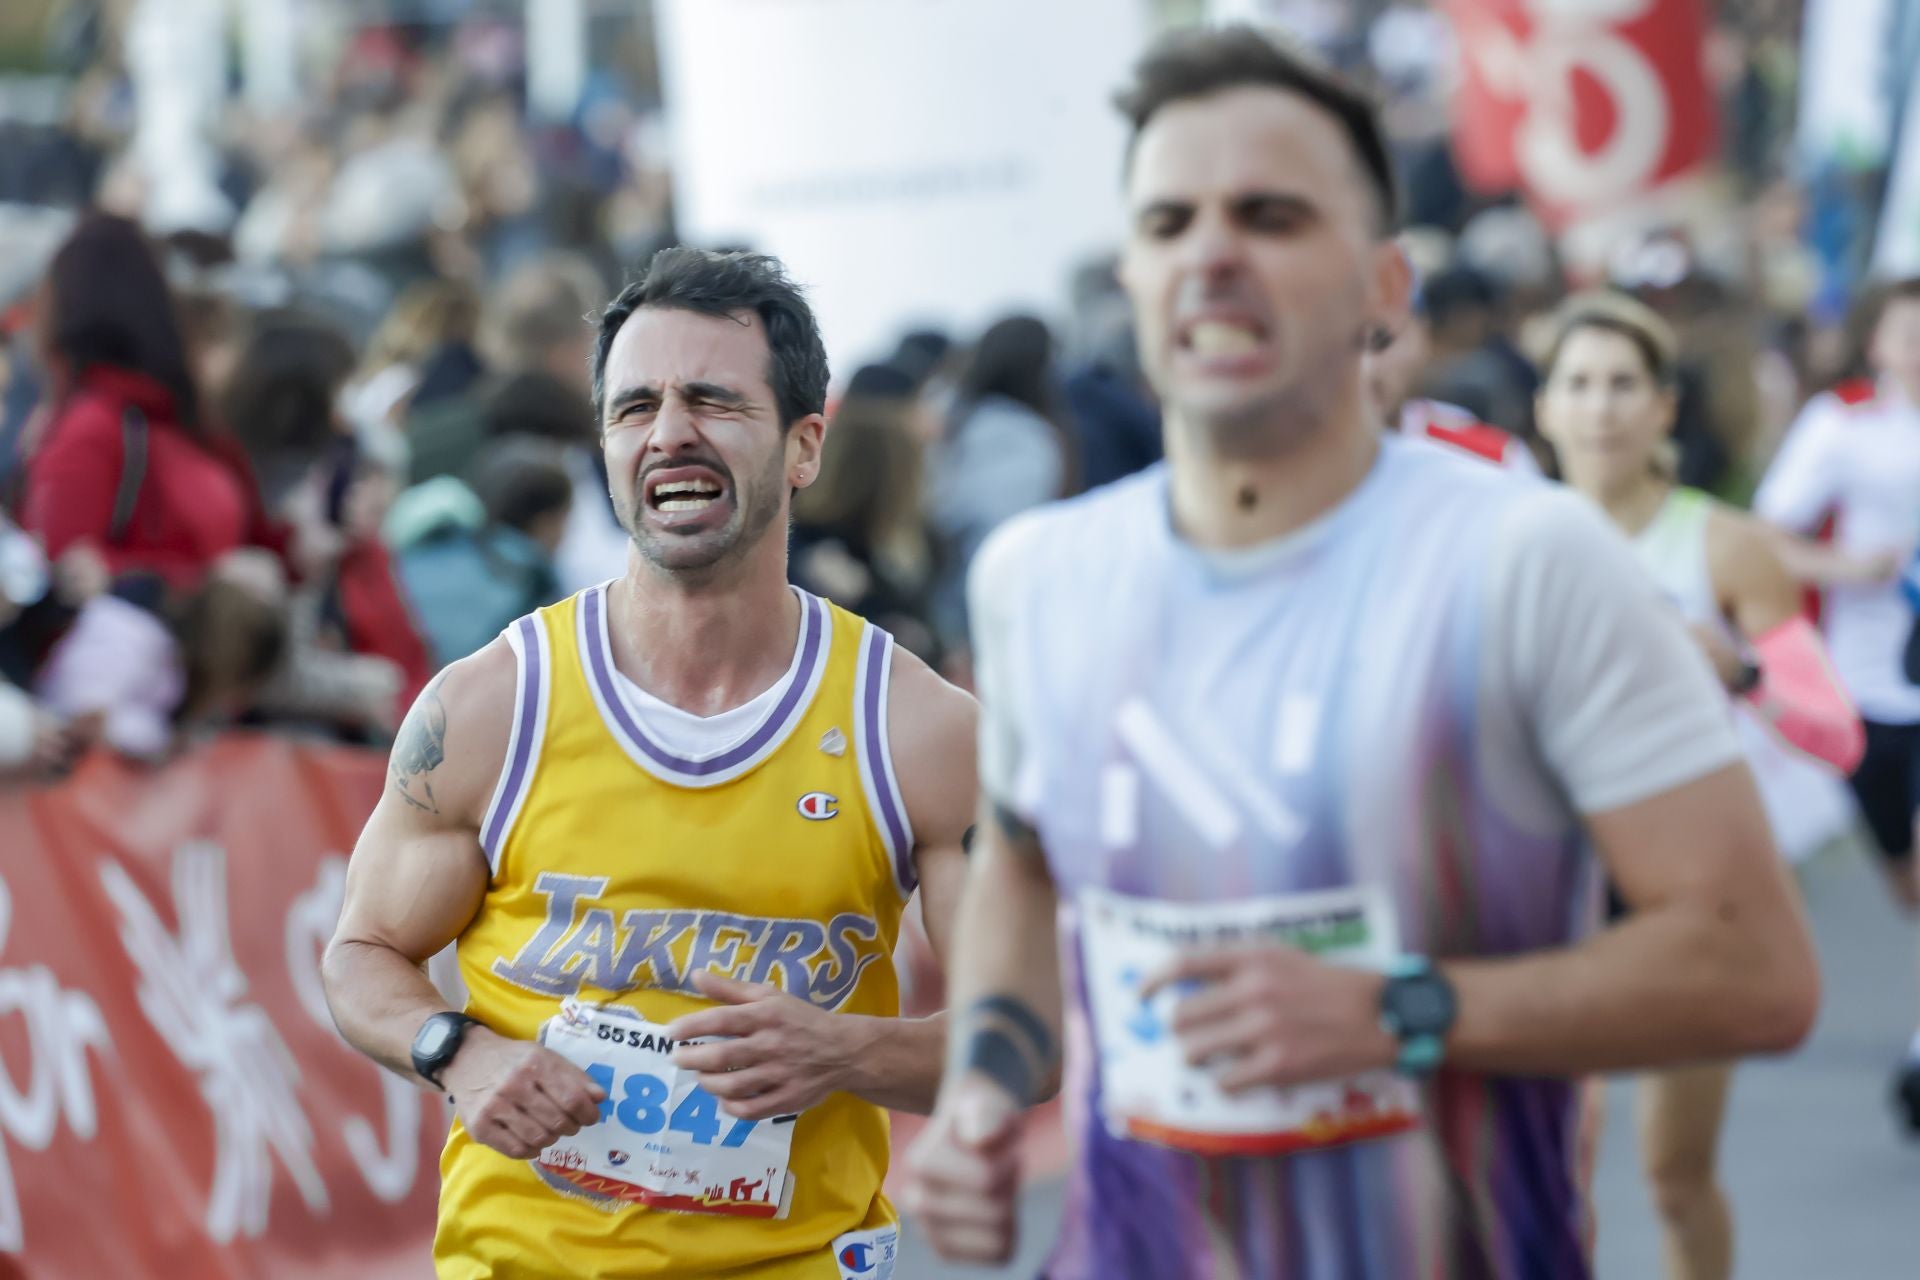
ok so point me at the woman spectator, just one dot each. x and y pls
(129, 463)
(859, 535)
(1004, 451)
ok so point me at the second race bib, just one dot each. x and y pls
(1150, 1092)
(661, 1139)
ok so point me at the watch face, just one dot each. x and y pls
(433, 1037)
(1423, 1005)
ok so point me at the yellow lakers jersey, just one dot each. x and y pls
(620, 867)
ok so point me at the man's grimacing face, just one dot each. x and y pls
(698, 465)
(1253, 259)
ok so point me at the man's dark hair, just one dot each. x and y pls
(725, 284)
(1200, 62)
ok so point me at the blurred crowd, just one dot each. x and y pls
(279, 465)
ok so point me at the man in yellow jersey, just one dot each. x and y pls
(687, 805)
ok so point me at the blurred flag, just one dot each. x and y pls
(1584, 105)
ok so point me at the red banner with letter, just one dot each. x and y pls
(1585, 105)
(174, 1100)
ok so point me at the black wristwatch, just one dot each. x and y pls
(1749, 678)
(437, 1041)
(1417, 1007)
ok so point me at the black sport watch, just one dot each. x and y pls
(1417, 1006)
(437, 1041)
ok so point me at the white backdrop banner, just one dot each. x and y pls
(1845, 113)
(913, 161)
(1896, 252)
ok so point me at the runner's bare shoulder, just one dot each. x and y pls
(452, 746)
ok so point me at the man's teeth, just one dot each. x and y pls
(685, 495)
(1219, 338)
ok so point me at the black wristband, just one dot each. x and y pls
(993, 1053)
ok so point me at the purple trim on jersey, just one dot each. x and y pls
(529, 723)
(777, 721)
(884, 784)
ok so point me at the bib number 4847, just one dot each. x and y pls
(639, 1106)
(660, 1139)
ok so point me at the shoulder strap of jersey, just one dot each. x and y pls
(533, 687)
(871, 685)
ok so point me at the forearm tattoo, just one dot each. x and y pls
(1009, 1043)
(992, 1053)
(1014, 829)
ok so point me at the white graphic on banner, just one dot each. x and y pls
(193, 993)
(1570, 36)
(61, 1026)
(389, 1166)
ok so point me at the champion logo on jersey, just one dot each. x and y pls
(834, 742)
(818, 806)
(868, 1255)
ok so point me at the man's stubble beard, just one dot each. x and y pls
(1273, 423)
(757, 505)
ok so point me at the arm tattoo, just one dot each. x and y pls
(1024, 1020)
(993, 1054)
(419, 750)
(1009, 1043)
(1014, 828)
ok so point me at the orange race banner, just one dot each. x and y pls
(174, 1100)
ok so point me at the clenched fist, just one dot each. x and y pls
(964, 1184)
(516, 1096)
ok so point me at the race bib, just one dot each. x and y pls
(661, 1139)
(1150, 1092)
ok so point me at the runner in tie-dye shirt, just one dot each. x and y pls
(1365, 689)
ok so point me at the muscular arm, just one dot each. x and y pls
(417, 875)
(932, 726)
(1712, 961)
(1005, 976)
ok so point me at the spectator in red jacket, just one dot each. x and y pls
(128, 462)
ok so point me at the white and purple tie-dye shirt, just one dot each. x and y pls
(1424, 690)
